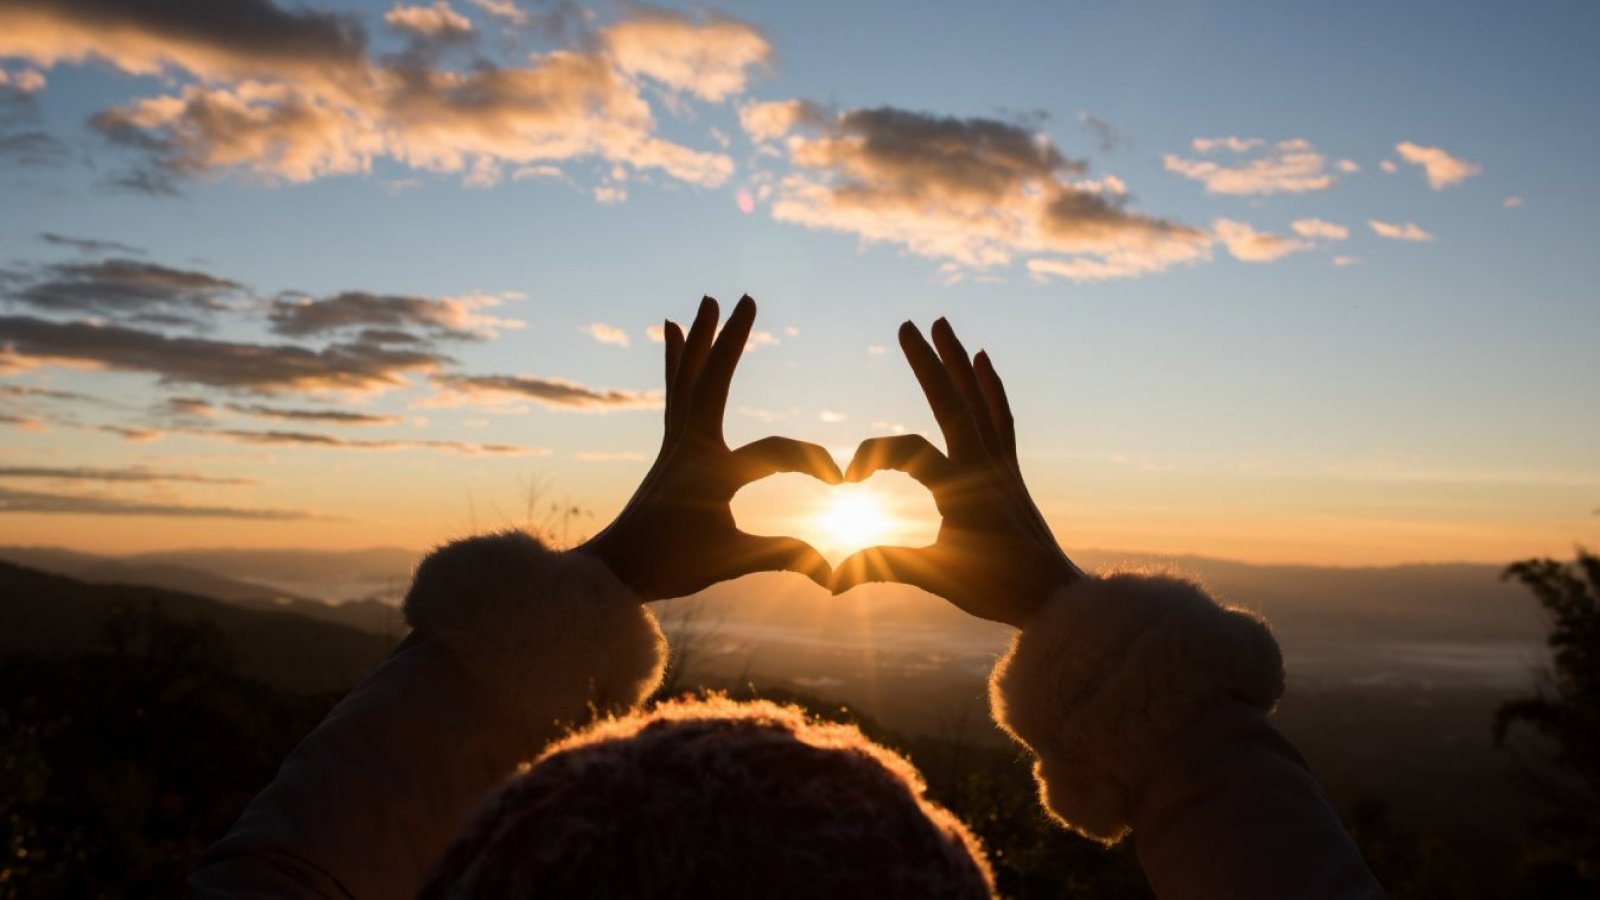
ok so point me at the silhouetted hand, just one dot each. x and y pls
(677, 536)
(995, 557)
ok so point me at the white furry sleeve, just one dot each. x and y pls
(546, 632)
(1112, 668)
(512, 644)
(1145, 703)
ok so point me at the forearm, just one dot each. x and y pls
(1145, 703)
(512, 646)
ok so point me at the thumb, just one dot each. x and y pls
(903, 565)
(751, 553)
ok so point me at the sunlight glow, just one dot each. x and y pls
(854, 516)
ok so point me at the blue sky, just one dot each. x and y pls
(1430, 400)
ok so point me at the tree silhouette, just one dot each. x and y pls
(1563, 856)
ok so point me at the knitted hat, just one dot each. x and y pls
(714, 798)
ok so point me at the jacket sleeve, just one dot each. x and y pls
(511, 646)
(1145, 704)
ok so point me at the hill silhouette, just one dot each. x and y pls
(49, 615)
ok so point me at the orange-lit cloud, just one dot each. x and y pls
(1319, 228)
(440, 21)
(606, 334)
(1409, 231)
(296, 95)
(554, 393)
(1249, 245)
(979, 192)
(1293, 166)
(266, 368)
(14, 501)
(1440, 168)
(710, 59)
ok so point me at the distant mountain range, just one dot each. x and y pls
(52, 615)
(1430, 621)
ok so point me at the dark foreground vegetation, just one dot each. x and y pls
(140, 721)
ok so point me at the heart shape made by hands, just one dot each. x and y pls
(888, 509)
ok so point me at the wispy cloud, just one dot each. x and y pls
(1410, 231)
(267, 368)
(1319, 229)
(1246, 244)
(554, 393)
(336, 442)
(1287, 167)
(1440, 168)
(606, 334)
(89, 246)
(389, 316)
(127, 290)
(13, 501)
(120, 474)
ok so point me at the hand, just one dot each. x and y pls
(676, 536)
(994, 557)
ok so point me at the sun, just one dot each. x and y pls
(854, 517)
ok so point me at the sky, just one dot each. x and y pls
(1271, 282)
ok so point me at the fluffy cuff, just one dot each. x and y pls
(1109, 670)
(554, 636)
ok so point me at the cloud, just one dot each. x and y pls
(555, 393)
(24, 390)
(334, 442)
(773, 119)
(1230, 143)
(131, 434)
(656, 333)
(439, 22)
(1348, 166)
(1248, 245)
(120, 474)
(330, 416)
(1389, 166)
(1410, 231)
(89, 246)
(978, 192)
(1346, 260)
(232, 39)
(294, 96)
(1291, 166)
(266, 368)
(759, 339)
(709, 59)
(1511, 202)
(831, 416)
(26, 423)
(1441, 169)
(1319, 228)
(1108, 137)
(12, 501)
(606, 334)
(27, 81)
(126, 289)
(505, 10)
(386, 316)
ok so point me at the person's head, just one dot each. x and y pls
(711, 797)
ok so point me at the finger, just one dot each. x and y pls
(672, 336)
(750, 553)
(693, 357)
(994, 392)
(904, 565)
(770, 455)
(949, 410)
(908, 453)
(959, 365)
(994, 397)
(711, 390)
